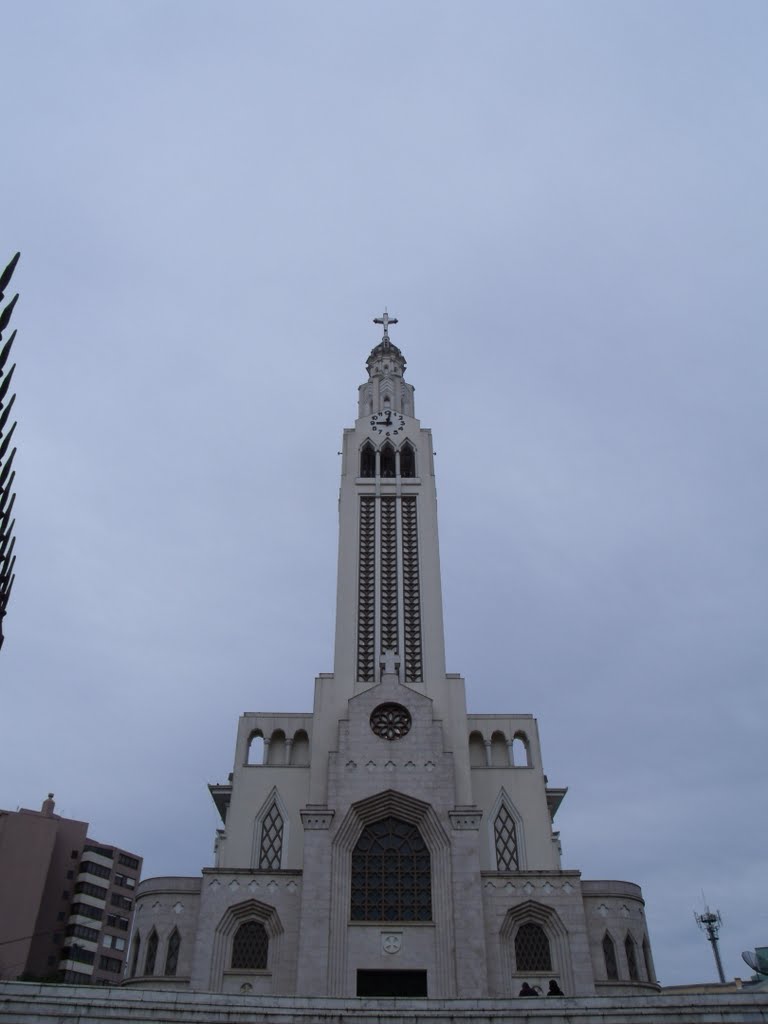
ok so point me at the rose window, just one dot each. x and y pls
(390, 721)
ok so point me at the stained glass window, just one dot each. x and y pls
(506, 841)
(629, 948)
(250, 947)
(172, 956)
(149, 963)
(391, 874)
(609, 954)
(271, 851)
(532, 948)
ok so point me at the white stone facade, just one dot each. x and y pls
(294, 905)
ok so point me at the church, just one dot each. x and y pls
(388, 843)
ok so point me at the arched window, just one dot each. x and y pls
(532, 949)
(271, 850)
(149, 963)
(499, 751)
(609, 955)
(300, 748)
(276, 752)
(505, 834)
(172, 956)
(631, 951)
(521, 751)
(391, 874)
(476, 751)
(255, 749)
(407, 460)
(647, 958)
(367, 460)
(387, 460)
(250, 947)
(136, 948)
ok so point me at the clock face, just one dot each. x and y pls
(387, 423)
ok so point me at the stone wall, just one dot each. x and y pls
(26, 1003)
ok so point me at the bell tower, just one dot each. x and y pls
(389, 600)
(389, 604)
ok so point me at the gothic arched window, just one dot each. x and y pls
(391, 874)
(629, 949)
(172, 956)
(387, 458)
(271, 850)
(532, 948)
(136, 948)
(505, 834)
(367, 460)
(149, 963)
(250, 947)
(609, 955)
(407, 460)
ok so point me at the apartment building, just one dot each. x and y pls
(66, 900)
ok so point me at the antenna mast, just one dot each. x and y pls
(710, 922)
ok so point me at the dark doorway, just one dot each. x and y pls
(407, 984)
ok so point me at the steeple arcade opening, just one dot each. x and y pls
(367, 460)
(387, 460)
(407, 460)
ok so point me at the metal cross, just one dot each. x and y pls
(391, 661)
(385, 320)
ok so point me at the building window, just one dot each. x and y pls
(407, 460)
(250, 947)
(86, 910)
(92, 868)
(505, 832)
(532, 949)
(110, 963)
(129, 862)
(102, 851)
(609, 955)
(81, 931)
(118, 900)
(629, 949)
(90, 890)
(172, 956)
(115, 921)
(78, 954)
(367, 460)
(126, 881)
(136, 949)
(387, 460)
(149, 963)
(391, 874)
(113, 942)
(271, 850)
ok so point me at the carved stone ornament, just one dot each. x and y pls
(390, 721)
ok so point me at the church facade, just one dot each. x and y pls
(389, 843)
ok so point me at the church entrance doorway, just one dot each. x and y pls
(406, 984)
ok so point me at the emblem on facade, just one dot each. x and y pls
(391, 942)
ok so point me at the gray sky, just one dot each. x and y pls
(565, 204)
